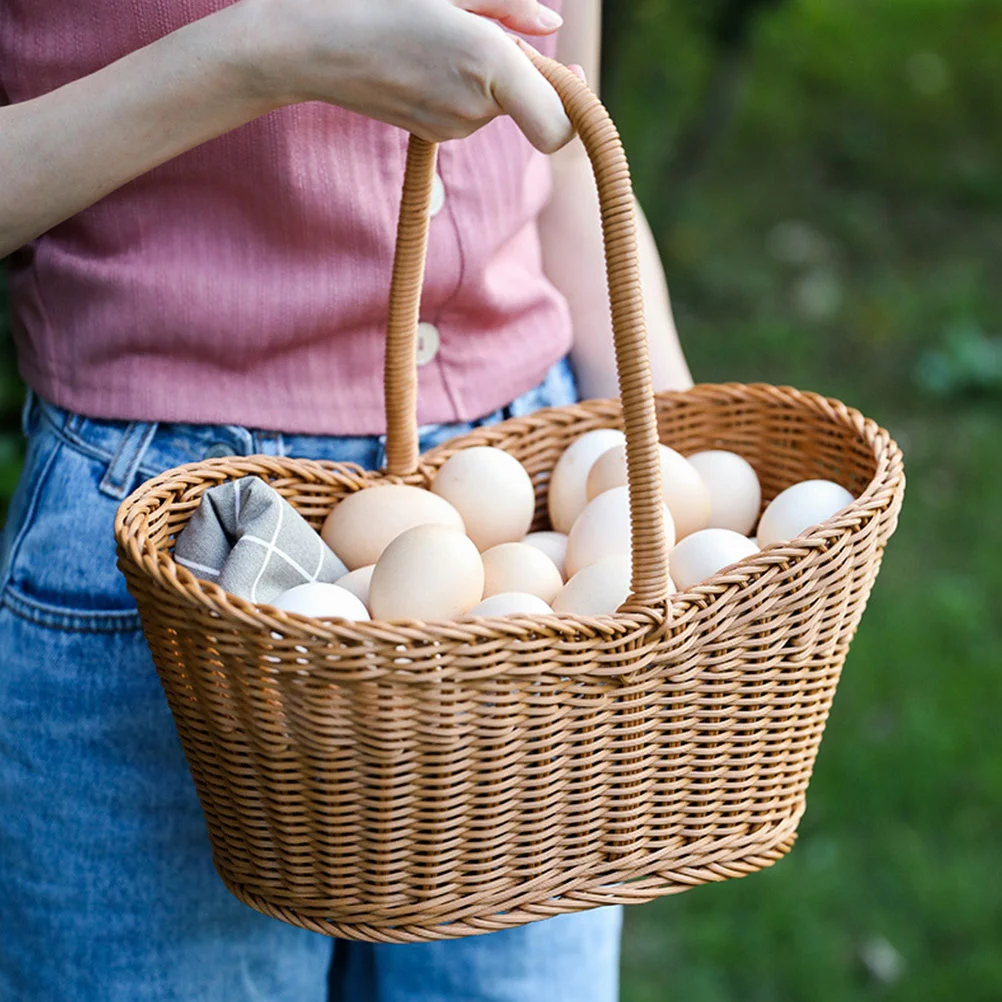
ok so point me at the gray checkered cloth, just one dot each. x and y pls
(248, 539)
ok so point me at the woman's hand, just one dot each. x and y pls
(434, 67)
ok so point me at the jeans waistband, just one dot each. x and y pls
(132, 451)
(143, 449)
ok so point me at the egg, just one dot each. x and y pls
(799, 507)
(357, 582)
(491, 490)
(520, 567)
(511, 603)
(735, 493)
(554, 545)
(428, 572)
(567, 495)
(685, 494)
(603, 529)
(699, 556)
(362, 525)
(321, 601)
(599, 589)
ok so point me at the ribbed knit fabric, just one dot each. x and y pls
(245, 282)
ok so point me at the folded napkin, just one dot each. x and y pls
(248, 539)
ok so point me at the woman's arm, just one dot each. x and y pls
(571, 234)
(429, 66)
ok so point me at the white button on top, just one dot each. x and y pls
(428, 341)
(437, 195)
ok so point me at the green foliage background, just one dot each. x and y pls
(826, 191)
(843, 233)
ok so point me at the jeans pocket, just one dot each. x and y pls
(58, 566)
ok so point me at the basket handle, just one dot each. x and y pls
(612, 178)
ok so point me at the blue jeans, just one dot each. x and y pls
(107, 892)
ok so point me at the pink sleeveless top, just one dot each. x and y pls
(245, 282)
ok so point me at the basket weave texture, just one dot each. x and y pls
(410, 781)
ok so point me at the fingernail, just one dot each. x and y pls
(578, 71)
(548, 18)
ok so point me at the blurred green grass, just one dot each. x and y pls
(842, 232)
(844, 235)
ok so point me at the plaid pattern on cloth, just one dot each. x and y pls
(248, 539)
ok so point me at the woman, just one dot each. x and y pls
(199, 200)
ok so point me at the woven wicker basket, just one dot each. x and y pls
(412, 781)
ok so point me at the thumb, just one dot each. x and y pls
(523, 92)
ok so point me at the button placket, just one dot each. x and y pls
(429, 339)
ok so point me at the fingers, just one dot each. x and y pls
(524, 93)
(527, 16)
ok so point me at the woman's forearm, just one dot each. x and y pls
(573, 258)
(669, 369)
(65, 150)
(429, 66)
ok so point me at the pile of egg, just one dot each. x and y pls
(463, 548)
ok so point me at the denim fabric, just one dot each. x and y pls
(107, 892)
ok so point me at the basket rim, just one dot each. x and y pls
(134, 544)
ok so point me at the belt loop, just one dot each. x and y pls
(269, 443)
(71, 422)
(123, 467)
(27, 412)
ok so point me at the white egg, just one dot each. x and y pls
(567, 496)
(519, 567)
(361, 526)
(321, 601)
(603, 529)
(685, 494)
(700, 555)
(357, 582)
(491, 490)
(428, 572)
(511, 603)
(598, 589)
(554, 545)
(798, 507)
(735, 493)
